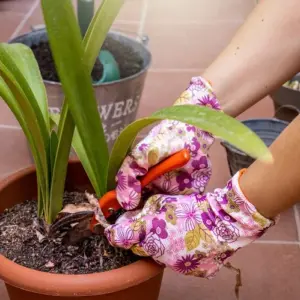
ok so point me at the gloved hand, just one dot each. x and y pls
(164, 140)
(191, 234)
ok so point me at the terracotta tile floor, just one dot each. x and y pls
(185, 36)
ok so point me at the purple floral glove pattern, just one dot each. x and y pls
(164, 140)
(192, 234)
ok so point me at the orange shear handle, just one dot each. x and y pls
(109, 203)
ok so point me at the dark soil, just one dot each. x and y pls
(21, 242)
(129, 61)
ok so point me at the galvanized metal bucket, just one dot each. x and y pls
(117, 101)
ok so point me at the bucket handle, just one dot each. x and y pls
(142, 38)
(37, 27)
(286, 106)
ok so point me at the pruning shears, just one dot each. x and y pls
(108, 204)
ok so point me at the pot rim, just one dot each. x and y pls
(142, 71)
(73, 285)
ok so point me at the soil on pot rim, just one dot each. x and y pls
(129, 61)
(20, 243)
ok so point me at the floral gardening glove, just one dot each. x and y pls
(191, 234)
(164, 140)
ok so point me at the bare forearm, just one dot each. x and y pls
(263, 54)
(274, 188)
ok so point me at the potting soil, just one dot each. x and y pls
(129, 62)
(27, 244)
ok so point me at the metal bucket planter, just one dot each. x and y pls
(117, 101)
(267, 129)
(286, 102)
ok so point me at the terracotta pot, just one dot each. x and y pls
(140, 280)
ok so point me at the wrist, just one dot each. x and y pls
(235, 204)
(241, 192)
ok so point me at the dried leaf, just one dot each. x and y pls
(40, 236)
(49, 264)
(78, 233)
(68, 219)
(72, 208)
(97, 210)
(92, 199)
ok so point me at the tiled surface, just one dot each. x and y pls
(128, 20)
(3, 294)
(286, 230)
(6, 116)
(191, 11)
(162, 89)
(14, 152)
(10, 20)
(184, 45)
(266, 274)
(15, 6)
(185, 36)
(13, 13)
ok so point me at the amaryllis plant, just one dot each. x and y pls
(79, 125)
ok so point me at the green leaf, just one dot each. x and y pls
(121, 147)
(25, 59)
(53, 148)
(99, 28)
(215, 122)
(10, 100)
(79, 149)
(12, 103)
(221, 126)
(41, 201)
(60, 167)
(95, 165)
(20, 61)
(66, 126)
(92, 42)
(65, 41)
(16, 90)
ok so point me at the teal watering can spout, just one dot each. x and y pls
(111, 71)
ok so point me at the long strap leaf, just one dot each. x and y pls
(26, 62)
(92, 44)
(98, 29)
(20, 72)
(215, 122)
(20, 61)
(11, 101)
(59, 171)
(79, 149)
(62, 29)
